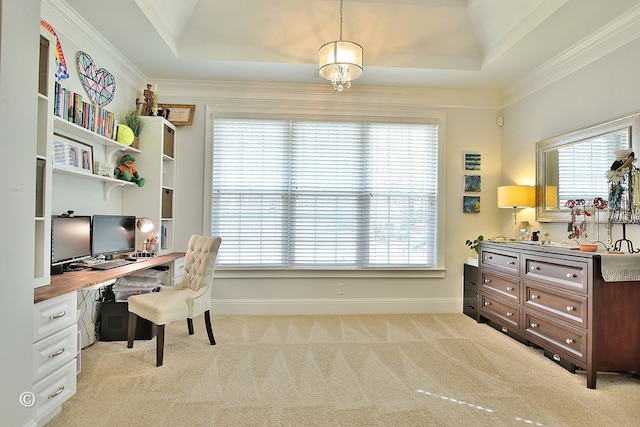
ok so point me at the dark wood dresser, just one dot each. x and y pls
(556, 298)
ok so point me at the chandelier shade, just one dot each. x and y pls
(340, 61)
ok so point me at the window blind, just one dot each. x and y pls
(313, 194)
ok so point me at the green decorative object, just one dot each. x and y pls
(134, 121)
(473, 244)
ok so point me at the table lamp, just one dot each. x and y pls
(514, 197)
(145, 225)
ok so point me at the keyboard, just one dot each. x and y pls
(108, 265)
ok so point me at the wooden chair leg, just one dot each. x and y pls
(207, 322)
(159, 345)
(190, 326)
(131, 332)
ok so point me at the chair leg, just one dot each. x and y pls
(159, 345)
(131, 332)
(207, 322)
(190, 325)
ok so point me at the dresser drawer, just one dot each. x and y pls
(53, 315)
(496, 309)
(53, 352)
(504, 286)
(564, 273)
(568, 307)
(555, 336)
(501, 260)
(52, 391)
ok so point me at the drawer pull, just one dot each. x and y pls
(487, 280)
(509, 288)
(571, 276)
(509, 314)
(57, 392)
(56, 353)
(511, 263)
(534, 268)
(57, 315)
(534, 296)
(487, 303)
(569, 341)
(534, 325)
(569, 308)
(488, 258)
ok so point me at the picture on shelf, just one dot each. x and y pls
(73, 155)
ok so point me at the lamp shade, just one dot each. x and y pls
(516, 196)
(343, 54)
(144, 224)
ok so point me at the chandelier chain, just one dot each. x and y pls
(340, 20)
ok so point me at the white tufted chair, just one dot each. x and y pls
(190, 298)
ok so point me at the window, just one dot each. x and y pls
(312, 194)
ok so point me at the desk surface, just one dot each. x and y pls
(76, 280)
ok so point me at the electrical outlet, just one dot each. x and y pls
(342, 289)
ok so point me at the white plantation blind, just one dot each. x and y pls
(312, 194)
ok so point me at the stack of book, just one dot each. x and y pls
(69, 106)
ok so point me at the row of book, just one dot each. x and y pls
(69, 106)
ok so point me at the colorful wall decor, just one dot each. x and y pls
(99, 84)
(61, 72)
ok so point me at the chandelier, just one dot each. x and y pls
(340, 61)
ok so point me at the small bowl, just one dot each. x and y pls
(588, 247)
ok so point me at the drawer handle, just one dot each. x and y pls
(571, 276)
(569, 341)
(569, 308)
(57, 392)
(488, 257)
(534, 268)
(511, 263)
(487, 280)
(487, 303)
(57, 315)
(510, 288)
(534, 325)
(509, 314)
(56, 353)
(534, 296)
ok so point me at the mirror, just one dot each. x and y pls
(574, 165)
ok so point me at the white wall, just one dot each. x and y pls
(19, 41)
(603, 90)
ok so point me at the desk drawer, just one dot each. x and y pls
(52, 391)
(568, 307)
(555, 336)
(53, 352)
(53, 315)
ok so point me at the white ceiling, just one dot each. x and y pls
(467, 44)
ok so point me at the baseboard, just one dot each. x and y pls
(335, 306)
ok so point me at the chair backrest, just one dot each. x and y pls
(200, 261)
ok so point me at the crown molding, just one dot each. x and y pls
(609, 38)
(74, 27)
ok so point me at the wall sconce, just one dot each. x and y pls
(514, 197)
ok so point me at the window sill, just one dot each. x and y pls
(235, 273)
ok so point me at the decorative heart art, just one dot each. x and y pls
(99, 84)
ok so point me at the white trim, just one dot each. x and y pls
(261, 273)
(614, 35)
(335, 306)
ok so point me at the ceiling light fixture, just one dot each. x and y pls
(340, 61)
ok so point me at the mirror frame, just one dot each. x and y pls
(631, 122)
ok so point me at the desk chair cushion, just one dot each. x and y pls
(162, 308)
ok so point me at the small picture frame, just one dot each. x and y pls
(472, 183)
(73, 154)
(471, 204)
(472, 161)
(179, 114)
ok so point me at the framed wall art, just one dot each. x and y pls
(472, 161)
(179, 114)
(470, 204)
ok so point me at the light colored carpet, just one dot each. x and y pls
(360, 370)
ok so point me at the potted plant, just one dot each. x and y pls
(135, 122)
(473, 244)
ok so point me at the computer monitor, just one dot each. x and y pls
(113, 234)
(70, 240)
